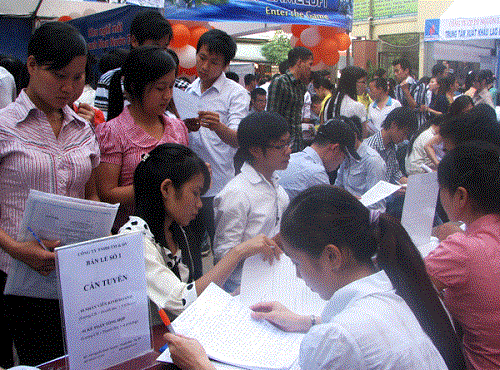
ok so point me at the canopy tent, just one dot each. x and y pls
(467, 31)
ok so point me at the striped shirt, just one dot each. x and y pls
(102, 92)
(31, 157)
(419, 93)
(286, 97)
(388, 154)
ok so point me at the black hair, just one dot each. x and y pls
(485, 74)
(167, 161)
(475, 166)
(459, 104)
(249, 78)
(425, 80)
(345, 86)
(56, 44)
(174, 56)
(233, 76)
(143, 65)
(403, 117)
(470, 78)
(218, 42)
(404, 64)
(150, 25)
(315, 99)
(17, 69)
(320, 81)
(257, 91)
(112, 59)
(258, 130)
(283, 67)
(324, 214)
(298, 52)
(381, 83)
(380, 72)
(445, 83)
(437, 69)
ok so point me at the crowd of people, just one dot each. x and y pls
(269, 166)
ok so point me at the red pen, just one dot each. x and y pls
(166, 321)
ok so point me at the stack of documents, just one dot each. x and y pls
(56, 217)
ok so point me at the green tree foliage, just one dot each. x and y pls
(276, 49)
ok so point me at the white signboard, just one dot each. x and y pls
(104, 301)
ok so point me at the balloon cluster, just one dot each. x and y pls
(184, 40)
(325, 42)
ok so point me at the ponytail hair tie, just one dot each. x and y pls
(144, 157)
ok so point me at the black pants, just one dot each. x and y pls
(35, 325)
(6, 357)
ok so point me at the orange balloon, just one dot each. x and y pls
(297, 29)
(329, 52)
(328, 32)
(64, 18)
(316, 55)
(343, 41)
(181, 35)
(196, 34)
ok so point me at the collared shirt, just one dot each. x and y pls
(357, 177)
(418, 156)
(418, 91)
(247, 206)
(484, 96)
(368, 326)
(32, 157)
(376, 115)
(101, 100)
(304, 170)
(348, 108)
(230, 100)
(165, 289)
(123, 143)
(388, 154)
(468, 265)
(286, 97)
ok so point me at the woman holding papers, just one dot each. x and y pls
(148, 76)
(374, 319)
(168, 184)
(46, 146)
(465, 267)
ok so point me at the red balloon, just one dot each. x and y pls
(196, 34)
(180, 37)
(328, 32)
(64, 18)
(329, 52)
(343, 41)
(297, 29)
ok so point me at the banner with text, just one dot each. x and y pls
(480, 28)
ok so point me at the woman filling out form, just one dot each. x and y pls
(168, 184)
(465, 266)
(388, 319)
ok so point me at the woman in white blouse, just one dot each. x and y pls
(168, 184)
(387, 319)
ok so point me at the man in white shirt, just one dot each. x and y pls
(252, 203)
(222, 103)
(382, 104)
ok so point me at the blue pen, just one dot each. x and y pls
(37, 239)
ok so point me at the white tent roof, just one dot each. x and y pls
(52, 8)
(475, 9)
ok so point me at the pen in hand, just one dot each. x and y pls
(166, 321)
(37, 238)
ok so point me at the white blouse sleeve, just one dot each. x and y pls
(165, 289)
(330, 347)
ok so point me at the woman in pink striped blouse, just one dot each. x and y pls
(148, 78)
(44, 145)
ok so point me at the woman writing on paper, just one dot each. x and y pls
(148, 76)
(44, 145)
(168, 184)
(388, 319)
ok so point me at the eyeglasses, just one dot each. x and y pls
(288, 144)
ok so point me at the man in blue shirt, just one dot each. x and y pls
(309, 167)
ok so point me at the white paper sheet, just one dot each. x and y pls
(186, 104)
(420, 206)
(263, 282)
(223, 326)
(56, 217)
(104, 300)
(380, 191)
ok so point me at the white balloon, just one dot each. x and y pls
(74, 15)
(89, 11)
(310, 37)
(187, 56)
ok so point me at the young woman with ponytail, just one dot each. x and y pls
(374, 319)
(465, 267)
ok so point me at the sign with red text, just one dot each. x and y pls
(104, 301)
